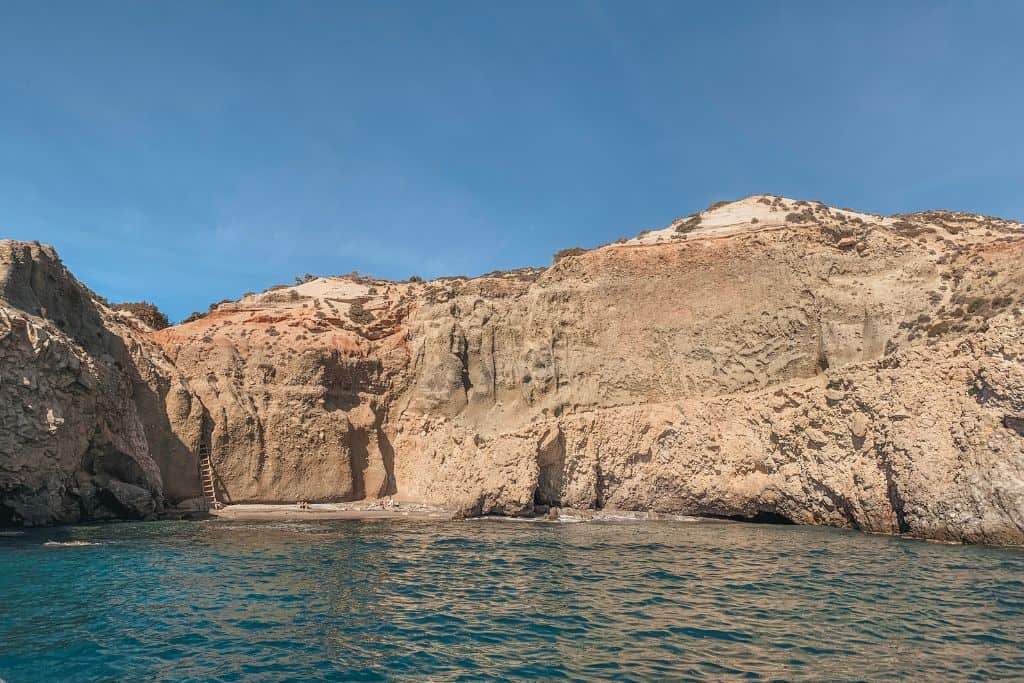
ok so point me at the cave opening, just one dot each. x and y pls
(759, 517)
(359, 461)
(542, 496)
(549, 485)
(551, 470)
(8, 517)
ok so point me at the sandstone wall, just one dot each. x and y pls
(814, 365)
(775, 374)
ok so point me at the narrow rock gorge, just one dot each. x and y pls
(764, 359)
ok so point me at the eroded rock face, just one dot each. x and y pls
(764, 359)
(753, 373)
(72, 446)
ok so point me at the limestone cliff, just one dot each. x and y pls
(765, 358)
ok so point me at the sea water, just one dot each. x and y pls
(490, 600)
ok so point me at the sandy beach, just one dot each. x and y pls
(326, 511)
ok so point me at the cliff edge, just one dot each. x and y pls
(762, 359)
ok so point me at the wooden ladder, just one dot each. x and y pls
(206, 477)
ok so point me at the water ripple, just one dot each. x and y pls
(383, 601)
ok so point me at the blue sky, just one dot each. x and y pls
(187, 152)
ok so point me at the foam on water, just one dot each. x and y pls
(409, 601)
(600, 516)
(68, 544)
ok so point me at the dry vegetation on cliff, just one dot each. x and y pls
(146, 312)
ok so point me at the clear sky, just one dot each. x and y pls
(185, 152)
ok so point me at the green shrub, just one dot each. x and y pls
(1002, 302)
(360, 315)
(215, 305)
(565, 253)
(976, 304)
(689, 225)
(146, 312)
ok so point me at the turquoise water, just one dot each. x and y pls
(489, 600)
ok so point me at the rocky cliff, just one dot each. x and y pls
(763, 359)
(72, 444)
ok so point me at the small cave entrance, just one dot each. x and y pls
(114, 504)
(109, 460)
(551, 466)
(549, 487)
(759, 517)
(763, 517)
(8, 517)
(359, 461)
